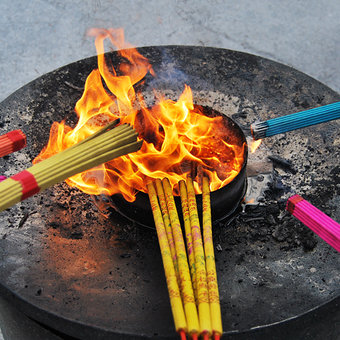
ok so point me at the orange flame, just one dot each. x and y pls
(177, 136)
(254, 145)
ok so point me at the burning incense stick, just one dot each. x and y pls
(171, 280)
(184, 273)
(104, 129)
(296, 121)
(12, 141)
(167, 224)
(88, 154)
(214, 300)
(187, 227)
(201, 278)
(316, 220)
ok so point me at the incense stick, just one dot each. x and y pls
(171, 280)
(295, 121)
(214, 300)
(184, 273)
(201, 279)
(12, 141)
(202, 260)
(103, 148)
(104, 129)
(316, 220)
(187, 227)
(167, 225)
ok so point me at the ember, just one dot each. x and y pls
(177, 135)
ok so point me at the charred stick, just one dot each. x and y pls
(282, 163)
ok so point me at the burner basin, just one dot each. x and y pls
(224, 201)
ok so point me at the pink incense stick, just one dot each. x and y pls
(2, 178)
(316, 220)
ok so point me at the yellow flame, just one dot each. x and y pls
(254, 145)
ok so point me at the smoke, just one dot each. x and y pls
(168, 74)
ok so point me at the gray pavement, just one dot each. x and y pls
(41, 35)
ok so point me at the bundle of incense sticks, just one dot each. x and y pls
(316, 220)
(192, 284)
(106, 144)
(295, 121)
(12, 141)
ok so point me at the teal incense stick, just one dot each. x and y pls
(295, 121)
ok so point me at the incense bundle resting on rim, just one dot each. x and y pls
(12, 141)
(295, 121)
(192, 285)
(316, 220)
(103, 146)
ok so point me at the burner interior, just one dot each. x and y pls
(224, 201)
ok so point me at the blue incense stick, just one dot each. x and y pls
(295, 121)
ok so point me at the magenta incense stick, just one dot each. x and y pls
(316, 220)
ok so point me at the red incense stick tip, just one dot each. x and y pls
(217, 336)
(316, 220)
(194, 336)
(205, 336)
(12, 141)
(292, 201)
(182, 334)
(18, 139)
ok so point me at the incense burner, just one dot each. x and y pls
(70, 270)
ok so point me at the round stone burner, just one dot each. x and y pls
(70, 268)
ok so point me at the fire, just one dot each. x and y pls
(178, 138)
(254, 145)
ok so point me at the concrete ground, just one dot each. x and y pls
(39, 36)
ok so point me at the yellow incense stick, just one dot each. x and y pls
(184, 273)
(77, 152)
(85, 156)
(201, 279)
(171, 280)
(215, 309)
(188, 236)
(167, 224)
(104, 129)
(80, 157)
